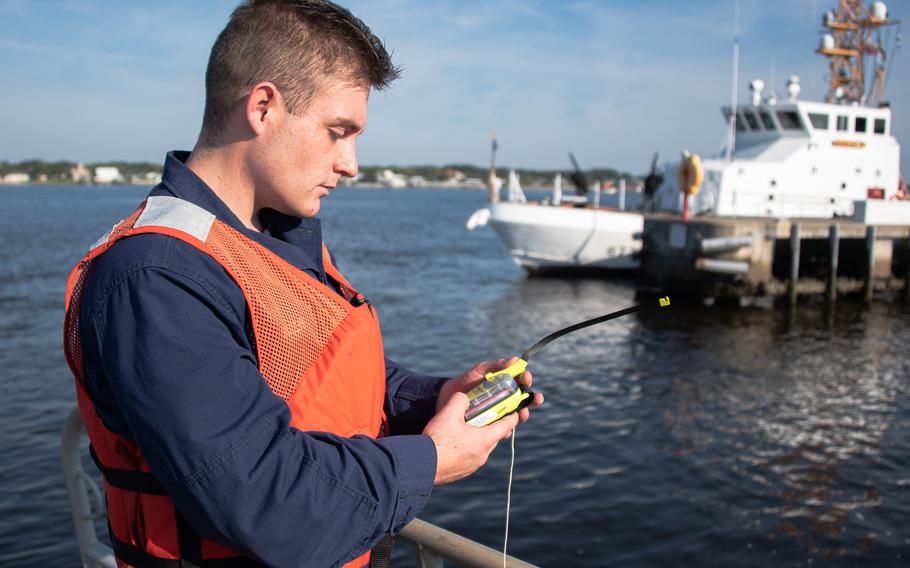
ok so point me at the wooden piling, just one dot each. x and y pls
(907, 279)
(794, 263)
(745, 257)
(870, 261)
(834, 250)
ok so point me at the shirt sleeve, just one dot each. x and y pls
(411, 398)
(173, 367)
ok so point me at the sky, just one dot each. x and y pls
(611, 80)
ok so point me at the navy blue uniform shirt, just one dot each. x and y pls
(169, 362)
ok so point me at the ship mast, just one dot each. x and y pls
(493, 182)
(850, 38)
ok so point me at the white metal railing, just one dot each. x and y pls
(78, 487)
(432, 545)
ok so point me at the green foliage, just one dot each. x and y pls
(60, 171)
(529, 177)
(34, 168)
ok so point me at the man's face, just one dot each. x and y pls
(299, 159)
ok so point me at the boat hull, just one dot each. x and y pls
(542, 237)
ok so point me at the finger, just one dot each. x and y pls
(491, 366)
(538, 400)
(504, 363)
(511, 361)
(526, 379)
(501, 429)
(482, 368)
(513, 423)
(458, 403)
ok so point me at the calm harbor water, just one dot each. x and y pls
(698, 436)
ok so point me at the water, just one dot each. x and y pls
(698, 436)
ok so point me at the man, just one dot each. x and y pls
(232, 382)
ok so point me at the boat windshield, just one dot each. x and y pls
(789, 120)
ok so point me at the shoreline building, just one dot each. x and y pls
(107, 175)
(16, 178)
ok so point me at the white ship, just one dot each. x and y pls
(788, 159)
(546, 236)
(564, 231)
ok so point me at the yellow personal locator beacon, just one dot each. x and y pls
(499, 394)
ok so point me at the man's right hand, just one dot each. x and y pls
(462, 449)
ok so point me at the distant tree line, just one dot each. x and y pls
(59, 171)
(529, 177)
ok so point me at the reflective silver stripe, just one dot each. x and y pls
(174, 213)
(102, 240)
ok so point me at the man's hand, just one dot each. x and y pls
(472, 378)
(462, 449)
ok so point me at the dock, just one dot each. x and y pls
(725, 258)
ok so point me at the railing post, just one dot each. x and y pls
(833, 250)
(870, 261)
(794, 263)
(426, 559)
(94, 554)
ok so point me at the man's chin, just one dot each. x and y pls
(300, 209)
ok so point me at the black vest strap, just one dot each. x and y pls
(189, 541)
(138, 481)
(141, 559)
(381, 554)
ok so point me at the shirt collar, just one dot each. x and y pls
(297, 240)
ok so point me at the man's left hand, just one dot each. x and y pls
(475, 375)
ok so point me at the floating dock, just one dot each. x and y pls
(759, 257)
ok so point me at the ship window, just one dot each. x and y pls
(842, 123)
(789, 120)
(741, 120)
(879, 126)
(860, 124)
(766, 120)
(740, 125)
(750, 118)
(819, 120)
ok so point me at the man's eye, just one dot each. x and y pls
(336, 134)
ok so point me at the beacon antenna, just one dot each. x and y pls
(499, 394)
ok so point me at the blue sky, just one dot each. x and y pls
(611, 80)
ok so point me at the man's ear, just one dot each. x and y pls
(263, 106)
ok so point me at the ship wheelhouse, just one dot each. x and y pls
(797, 159)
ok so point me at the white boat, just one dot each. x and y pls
(543, 236)
(564, 231)
(790, 159)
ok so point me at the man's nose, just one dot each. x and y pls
(346, 164)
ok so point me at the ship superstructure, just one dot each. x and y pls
(801, 159)
(797, 159)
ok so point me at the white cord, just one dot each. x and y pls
(505, 544)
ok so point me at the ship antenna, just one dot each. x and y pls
(848, 41)
(735, 95)
(492, 179)
(774, 77)
(894, 50)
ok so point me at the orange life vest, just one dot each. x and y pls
(320, 352)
